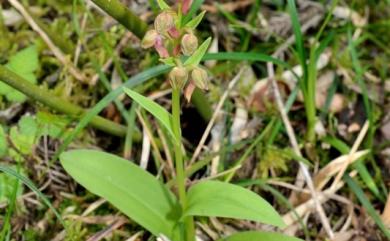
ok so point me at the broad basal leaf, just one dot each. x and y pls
(155, 109)
(132, 190)
(259, 236)
(195, 59)
(220, 199)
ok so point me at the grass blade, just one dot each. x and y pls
(366, 204)
(32, 186)
(298, 35)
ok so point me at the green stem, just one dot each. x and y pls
(124, 16)
(178, 151)
(310, 101)
(180, 172)
(59, 104)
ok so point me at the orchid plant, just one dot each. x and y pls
(137, 193)
(173, 40)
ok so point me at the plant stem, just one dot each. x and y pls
(177, 144)
(59, 104)
(123, 15)
(180, 172)
(310, 100)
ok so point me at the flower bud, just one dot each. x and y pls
(164, 22)
(200, 78)
(178, 77)
(150, 39)
(189, 44)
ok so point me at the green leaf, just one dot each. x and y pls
(155, 109)
(220, 199)
(4, 88)
(163, 5)
(24, 135)
(25, 61)
(259, 236)
(52, 125)
(28, 126)
(132, 190)
(16, 96)
(196, 21)
(195, 59)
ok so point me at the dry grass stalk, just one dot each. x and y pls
(294, 143)
(354, 149)
(334, 167)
